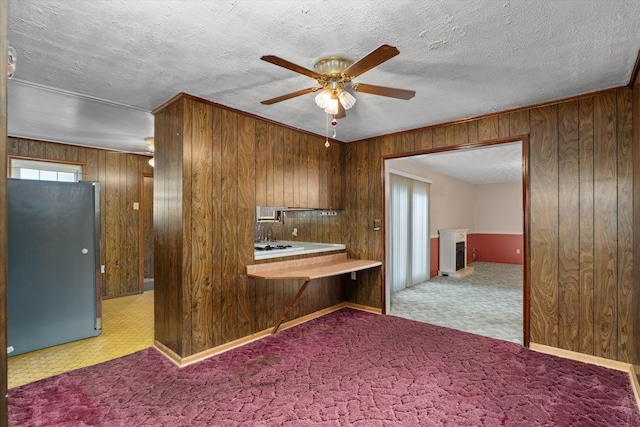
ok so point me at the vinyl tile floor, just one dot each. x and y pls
(127, 327)
(488, 302)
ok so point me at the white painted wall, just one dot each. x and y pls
(482, 208)
(453, 204)
(499, 208)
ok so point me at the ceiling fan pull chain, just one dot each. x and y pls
(326, 141)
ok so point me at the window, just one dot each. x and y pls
(44, 170)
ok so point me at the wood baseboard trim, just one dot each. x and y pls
(635, 385)
(366, 308)
(126, 294)
(594, 360)
(586, 358)
(167, 352)
(181, 362)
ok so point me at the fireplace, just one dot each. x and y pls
(453, 252)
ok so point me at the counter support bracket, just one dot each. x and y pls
(288, 309)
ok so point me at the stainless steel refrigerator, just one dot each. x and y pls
(53, 280)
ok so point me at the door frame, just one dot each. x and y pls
(524, 139)
(141, 229)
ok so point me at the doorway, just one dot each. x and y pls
(454, 206)
(146, 234)
(127, 321)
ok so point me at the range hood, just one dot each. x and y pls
(274, 213)
(269, 213)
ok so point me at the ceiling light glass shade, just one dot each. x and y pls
(323, 98)
(331, 106)
(346, 99)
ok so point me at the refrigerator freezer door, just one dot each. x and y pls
(53, 294)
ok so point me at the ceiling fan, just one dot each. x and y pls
(334, 74)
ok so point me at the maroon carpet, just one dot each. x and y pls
(346, 368)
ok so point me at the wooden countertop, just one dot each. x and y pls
(310, 268)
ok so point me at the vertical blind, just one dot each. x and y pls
(409, 215)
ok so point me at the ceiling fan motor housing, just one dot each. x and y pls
(335, 64)
(331, 68)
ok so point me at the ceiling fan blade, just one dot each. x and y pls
(290, 95)
(384, 91)
(375, 58)
(341, 112)
(290, 66)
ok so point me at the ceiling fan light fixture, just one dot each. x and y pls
(346, 99)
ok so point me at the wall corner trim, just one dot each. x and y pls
(635, 72)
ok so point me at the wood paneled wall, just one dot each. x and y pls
(213, 166)
(120, 178)
(580, 219)
(312, 226)
(636, 228)
(295, 169)
(4, 24)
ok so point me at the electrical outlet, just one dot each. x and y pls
(517, 251)
(136, 206)
(102, 269)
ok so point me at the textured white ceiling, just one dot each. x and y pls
(463, 58)
(481, 165)
(39, 112)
